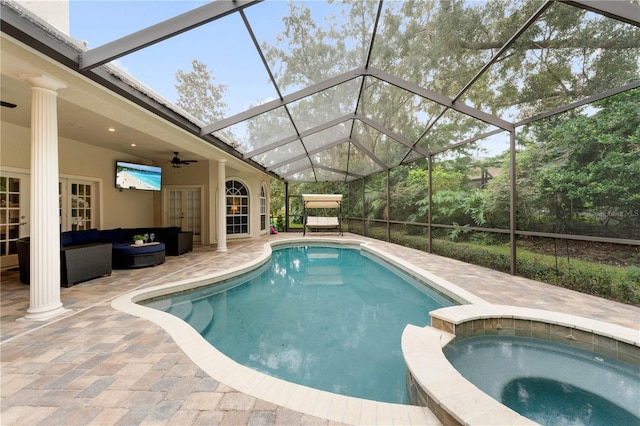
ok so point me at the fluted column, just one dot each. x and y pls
(45, 300)
(221, 223)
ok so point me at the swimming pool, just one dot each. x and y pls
(550, 382)
(325, 317)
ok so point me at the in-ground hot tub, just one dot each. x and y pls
(550, 382)
(514, 365)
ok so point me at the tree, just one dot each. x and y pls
(199, 95)
(585, 166)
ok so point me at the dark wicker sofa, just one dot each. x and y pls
(78, 263)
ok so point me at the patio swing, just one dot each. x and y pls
(321, 201)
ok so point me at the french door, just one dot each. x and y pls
(78, 199)
(14, 215)
(183, 208)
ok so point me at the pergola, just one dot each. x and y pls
(383, 94)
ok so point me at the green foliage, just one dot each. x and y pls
(579, 167)
(277, 201)
(475, 206)
(611, 282)
(629, 287)
(375, 197)
(454, 233)
(488, 238)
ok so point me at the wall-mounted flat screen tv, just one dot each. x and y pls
(138, 176)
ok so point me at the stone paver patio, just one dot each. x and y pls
(99, 366)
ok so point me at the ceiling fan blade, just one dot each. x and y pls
(176, 161)
(8, 104)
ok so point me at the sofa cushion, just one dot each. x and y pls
(112, 235)
(86, 237)
(66, 239)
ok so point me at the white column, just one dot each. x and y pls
(212, 200)
(222, 207)
(45, 300)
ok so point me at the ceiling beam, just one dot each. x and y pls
(299, 169)
(390, 133)
(441, 99)
(342, 172)
(308, 154)
(292, 97)
(621, 10)
(161, 31)
(369, 154)
(315, 166)
(293, 138)
(578, 104)
(334, 122)
(467, 141)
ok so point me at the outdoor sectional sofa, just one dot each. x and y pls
(177, 242)
(89, 254)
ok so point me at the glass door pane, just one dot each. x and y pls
(14, 212)
(175, 207)
(81, 202)
(193, 222)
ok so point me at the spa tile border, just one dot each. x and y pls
(453, 399)
(612, 340)
(434, 383)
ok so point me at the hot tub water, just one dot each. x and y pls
(548, 382)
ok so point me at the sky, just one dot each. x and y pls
(224, 45)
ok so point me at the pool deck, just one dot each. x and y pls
(97, 365)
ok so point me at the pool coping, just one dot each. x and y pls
(296, 397)
(455, 400)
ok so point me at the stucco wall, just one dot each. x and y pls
(15, 146)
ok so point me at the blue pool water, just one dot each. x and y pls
(328, 318)
(550, 383)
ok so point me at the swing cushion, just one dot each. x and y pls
(322, 222)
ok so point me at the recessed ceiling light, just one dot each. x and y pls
(111, 129)
(133, 144)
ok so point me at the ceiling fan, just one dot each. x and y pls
(8, 104)
(177, 162)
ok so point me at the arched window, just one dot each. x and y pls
(237, 208)
(263, 208)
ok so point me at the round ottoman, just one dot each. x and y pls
(127, 255)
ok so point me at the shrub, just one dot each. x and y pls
(615, 283)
